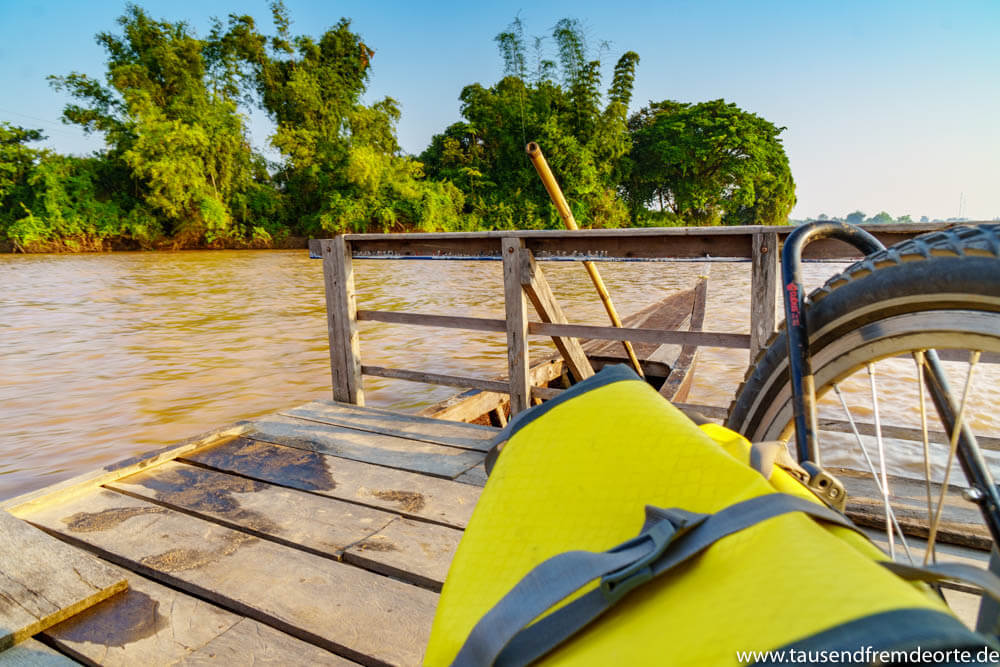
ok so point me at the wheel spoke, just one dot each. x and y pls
(871, 469)
(881, 462)
(952, 448)
(930, 556)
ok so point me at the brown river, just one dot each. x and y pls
(107, 356)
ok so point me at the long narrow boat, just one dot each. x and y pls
(669, 368)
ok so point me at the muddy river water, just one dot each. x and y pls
(107, 356)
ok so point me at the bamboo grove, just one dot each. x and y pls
(178, 169)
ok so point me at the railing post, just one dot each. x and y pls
(516, 306)
(763, 288)
(537, 289)
(341, 318)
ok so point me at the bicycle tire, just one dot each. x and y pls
(939, 291)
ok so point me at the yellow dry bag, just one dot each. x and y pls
(615, 531)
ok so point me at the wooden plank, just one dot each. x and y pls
(467, 406)
(43, 581)
(474, 403)
(413, 551)
(406, 493)
(413, 427)
(712, 412)
(475, 476)
(357, 614)
(90, 480)
(516, 307)
(655, 336)
(678, 383)
(440, 321)
(536, 287)
(961, 522)
(630, 243)
(903, 433)
(652, 337)
(417, 552)
(251, 643)
(763, 286)
(151, 624)
(33, 653)
(348, 443)
(323, 526)
(436, 378)
(342, 327)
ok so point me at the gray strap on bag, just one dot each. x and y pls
(670, 537)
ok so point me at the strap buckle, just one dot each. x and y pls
(663, 528)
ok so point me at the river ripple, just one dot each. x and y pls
(109, 356)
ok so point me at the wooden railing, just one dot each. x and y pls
(524, 281)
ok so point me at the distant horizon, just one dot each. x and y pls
(887, 108)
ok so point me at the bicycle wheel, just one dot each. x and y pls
(939, 291)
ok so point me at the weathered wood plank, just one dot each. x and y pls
(33, 653)
(406, 493)
(436, 378)
(441, 321)
(413, 427)
(961, 522)
(324, 526)
(673, 242)
(678, 383)
(90, 480)
(348, 443)
(342, 326)
(653, 336)
(43, 581)
(413, 551)
(763, 288)
(475, 476)
(355, 613)
(712, 412)
(902, 433)
(474, 403)
(538, 291)
(516, 308)
(253, 643)
(151, 624)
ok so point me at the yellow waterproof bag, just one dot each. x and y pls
(615, 531)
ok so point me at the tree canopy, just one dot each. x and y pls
(178, 168)
(710, 163)
(559, 104)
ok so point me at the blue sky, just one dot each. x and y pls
(888, 104)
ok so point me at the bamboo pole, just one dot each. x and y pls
(555, 192)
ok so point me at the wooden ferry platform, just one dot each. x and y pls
(323, 534)
(317, 535)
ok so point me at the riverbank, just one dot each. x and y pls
(71, 246)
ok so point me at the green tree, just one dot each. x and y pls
(855, 218)
(342, 168)
(880, 218)
(169, 113)
(707, 164)
(558, 104)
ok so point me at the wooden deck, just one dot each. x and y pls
(318, 535)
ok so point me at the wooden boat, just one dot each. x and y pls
(669, 368)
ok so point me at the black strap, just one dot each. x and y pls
(670, 537)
